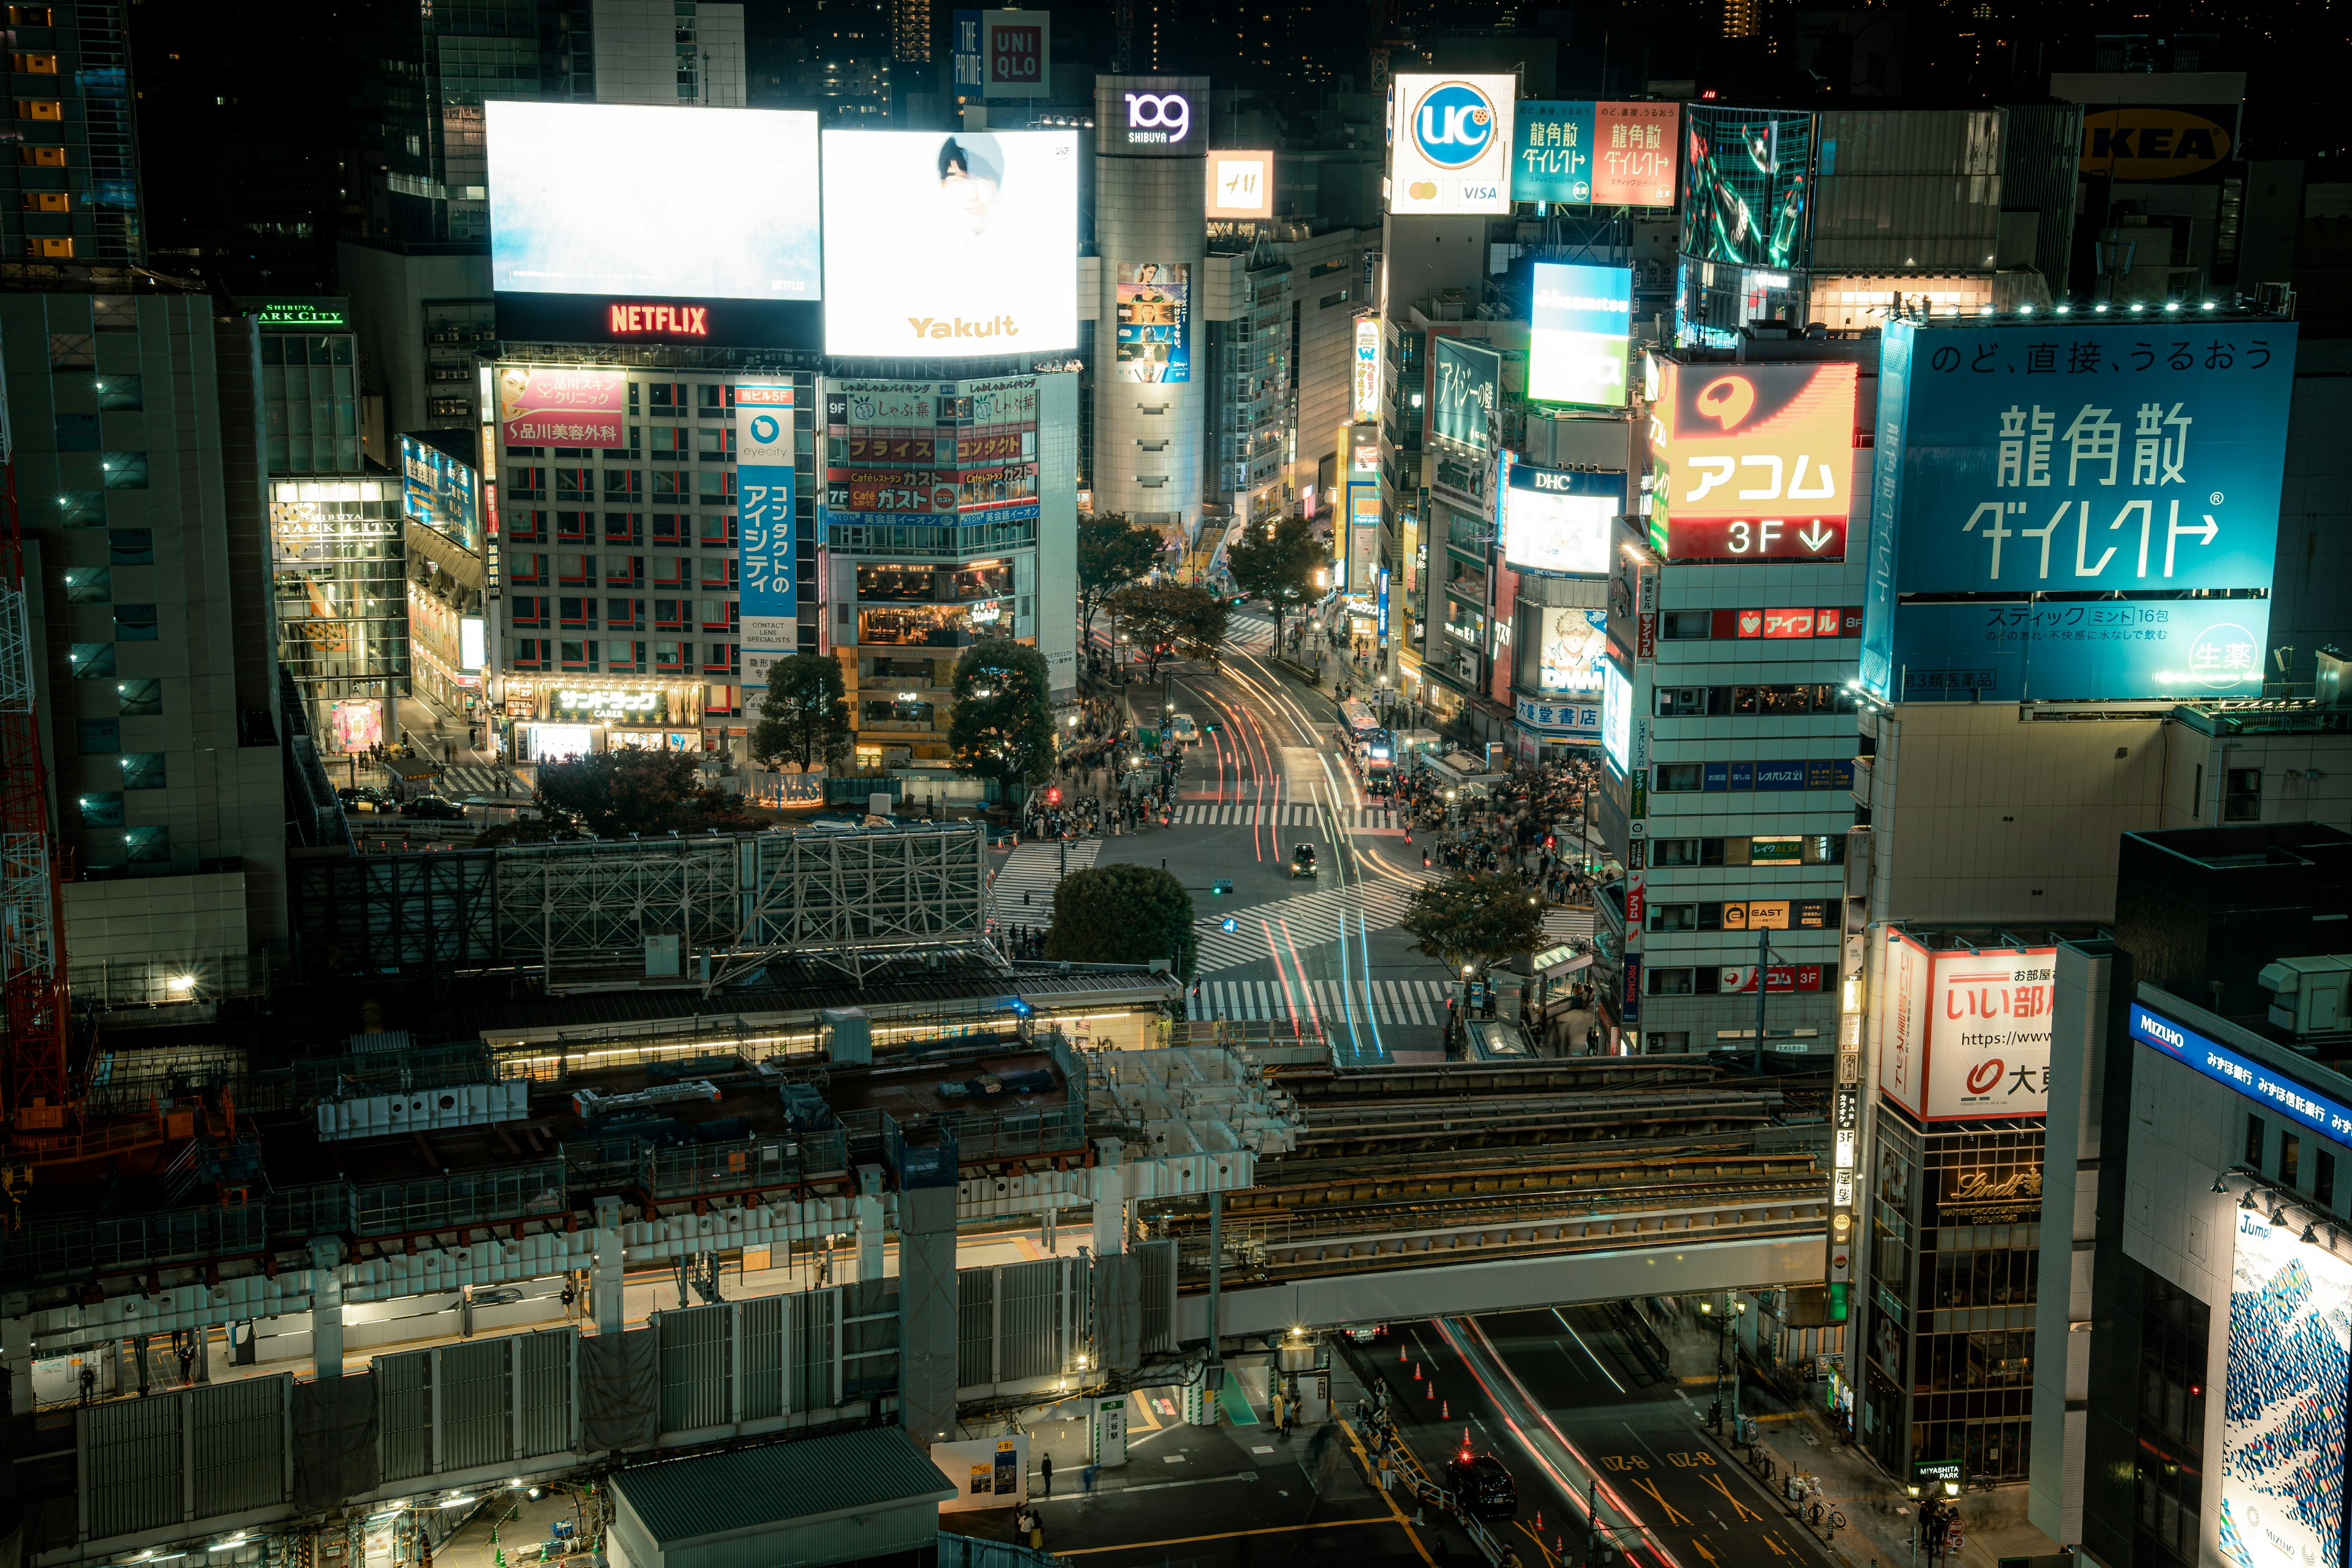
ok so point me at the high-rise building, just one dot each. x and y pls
(911, 31)
(71, 193)
(137, 416)
(1246, 338)
(659, 51)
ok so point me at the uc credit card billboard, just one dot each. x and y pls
(1450, 143)
(2075, 511)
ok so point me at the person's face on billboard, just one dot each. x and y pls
(968, 199)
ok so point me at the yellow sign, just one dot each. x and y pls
(2151, 143)
(1761, 914)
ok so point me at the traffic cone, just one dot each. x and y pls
(1416, 1371)
(1433, 1388)
(1400, 1356)
(1539, 1522)
(1443, 1413)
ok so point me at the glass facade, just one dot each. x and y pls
(309, 391)
(1251, 403)
(1953, 1244)
(342, 604)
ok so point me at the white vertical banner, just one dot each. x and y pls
(764, 541)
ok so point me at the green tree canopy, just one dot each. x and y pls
(803, 717)
(1280, 564)
(1122, 915)
(1185, 619)
(614, 794)
(1003, 723)
(1472, 919)
(1112, 553)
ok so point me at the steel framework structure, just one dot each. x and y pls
(853, 900)
(32, 960)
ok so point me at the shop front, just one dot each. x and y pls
(547, 722)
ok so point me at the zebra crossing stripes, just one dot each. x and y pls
(1406, 1002)
(1560, 924)
(1291, 814)
(460, 780)
(1307, 920)
(1022, 893)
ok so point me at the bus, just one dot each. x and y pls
(1357, 719)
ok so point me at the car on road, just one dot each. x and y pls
(1183, 730)
(1302, 860)
(1481, 1486)
(434, 808)
(361, 800)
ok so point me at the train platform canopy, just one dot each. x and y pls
(846, 1497)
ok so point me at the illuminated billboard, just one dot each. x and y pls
(1556, 521)
(764, 473)
(950, 246)
(2283, 1398)
(1570, 648)
(1747, 184)
(1580, 327)
(437, 491)
(562, 405)
(1601, 155)
(1241, 183)
(1152, 116)
(1155, 321)
(1464, 379)
(1756, 461)
(2068, 510)
(1365, 394)
(1965, 1034)
(1616, 717)
(653, 203)
(1450, 143)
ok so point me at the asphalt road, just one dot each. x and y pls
(1563, 1401)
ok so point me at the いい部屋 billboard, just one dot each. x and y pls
(1241, 183)
(1450, 143)
(1556, 521)
(2069, 510)
(1964, 1035)
(1756, 461)
(1155, 321)
(951, 245)
(1580, 323)
(1576, 153)
(1464, 379)
(763, 483)
(1747, 182)
(2284, 1393)
(737, 227)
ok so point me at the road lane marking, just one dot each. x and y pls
(1740, 1508)
(1228, 1535)
(1587, 1351)
(1674, 1515)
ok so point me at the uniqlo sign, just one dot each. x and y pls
(1016, 54)
(1965, 1036)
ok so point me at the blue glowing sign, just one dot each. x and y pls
(2234, 1069)
(2073, 510)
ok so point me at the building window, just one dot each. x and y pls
(42, 157)
(99, 736)
(91, 660)
(2243, 801)
(135, 623)
(1675, 777)
(124, 470)
(139, 699)
(148, 846)
(33, 64)
(119, 393)
(2254, 1142)
(1669, 982)
(526, 484)
(89, 585)
(99, 808)
(623, 528)
(143, 770)
(624, 484)
(2323, 1183)
(2290, 1159)
(1683, 625)
(81, 508)
(76, 432)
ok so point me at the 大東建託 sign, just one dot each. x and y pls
(1964, 1034)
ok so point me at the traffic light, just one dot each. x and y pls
(1550, 842)
(1837, 1308)
(1219, 889)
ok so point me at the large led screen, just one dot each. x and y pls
(1747, 180)
(1616, 717)
(2045, 492)
(632, 200)
(1450, 143)
(1756, 460)
(951, 245)
(1556, 521)
(1582, 321)
(2284, 1396)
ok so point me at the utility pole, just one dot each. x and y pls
(1763, 957)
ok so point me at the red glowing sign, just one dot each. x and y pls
(672, 321)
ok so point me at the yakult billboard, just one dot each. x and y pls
(1964, 1035)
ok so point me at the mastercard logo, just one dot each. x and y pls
(1422, 190)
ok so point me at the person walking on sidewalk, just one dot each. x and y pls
(1046, 1474)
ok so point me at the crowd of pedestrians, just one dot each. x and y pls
(1528, 825)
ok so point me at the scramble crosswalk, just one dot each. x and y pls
(1302, 921)
(1289, 813)
(1022, 893)
(1421, 1001)
(461, 780)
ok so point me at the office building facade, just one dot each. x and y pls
(72, 189)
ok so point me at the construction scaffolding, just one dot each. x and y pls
(733, 902)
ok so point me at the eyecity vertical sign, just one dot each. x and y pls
(763, 478)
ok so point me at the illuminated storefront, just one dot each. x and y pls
(343, 606)
(553, 720)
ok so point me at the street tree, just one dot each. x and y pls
(1122, 915)
(614, 794)
(1177, 616)
(1282, 562)
(803, 717)
(1004, 722)
(1474, 919)
(1112, 553)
